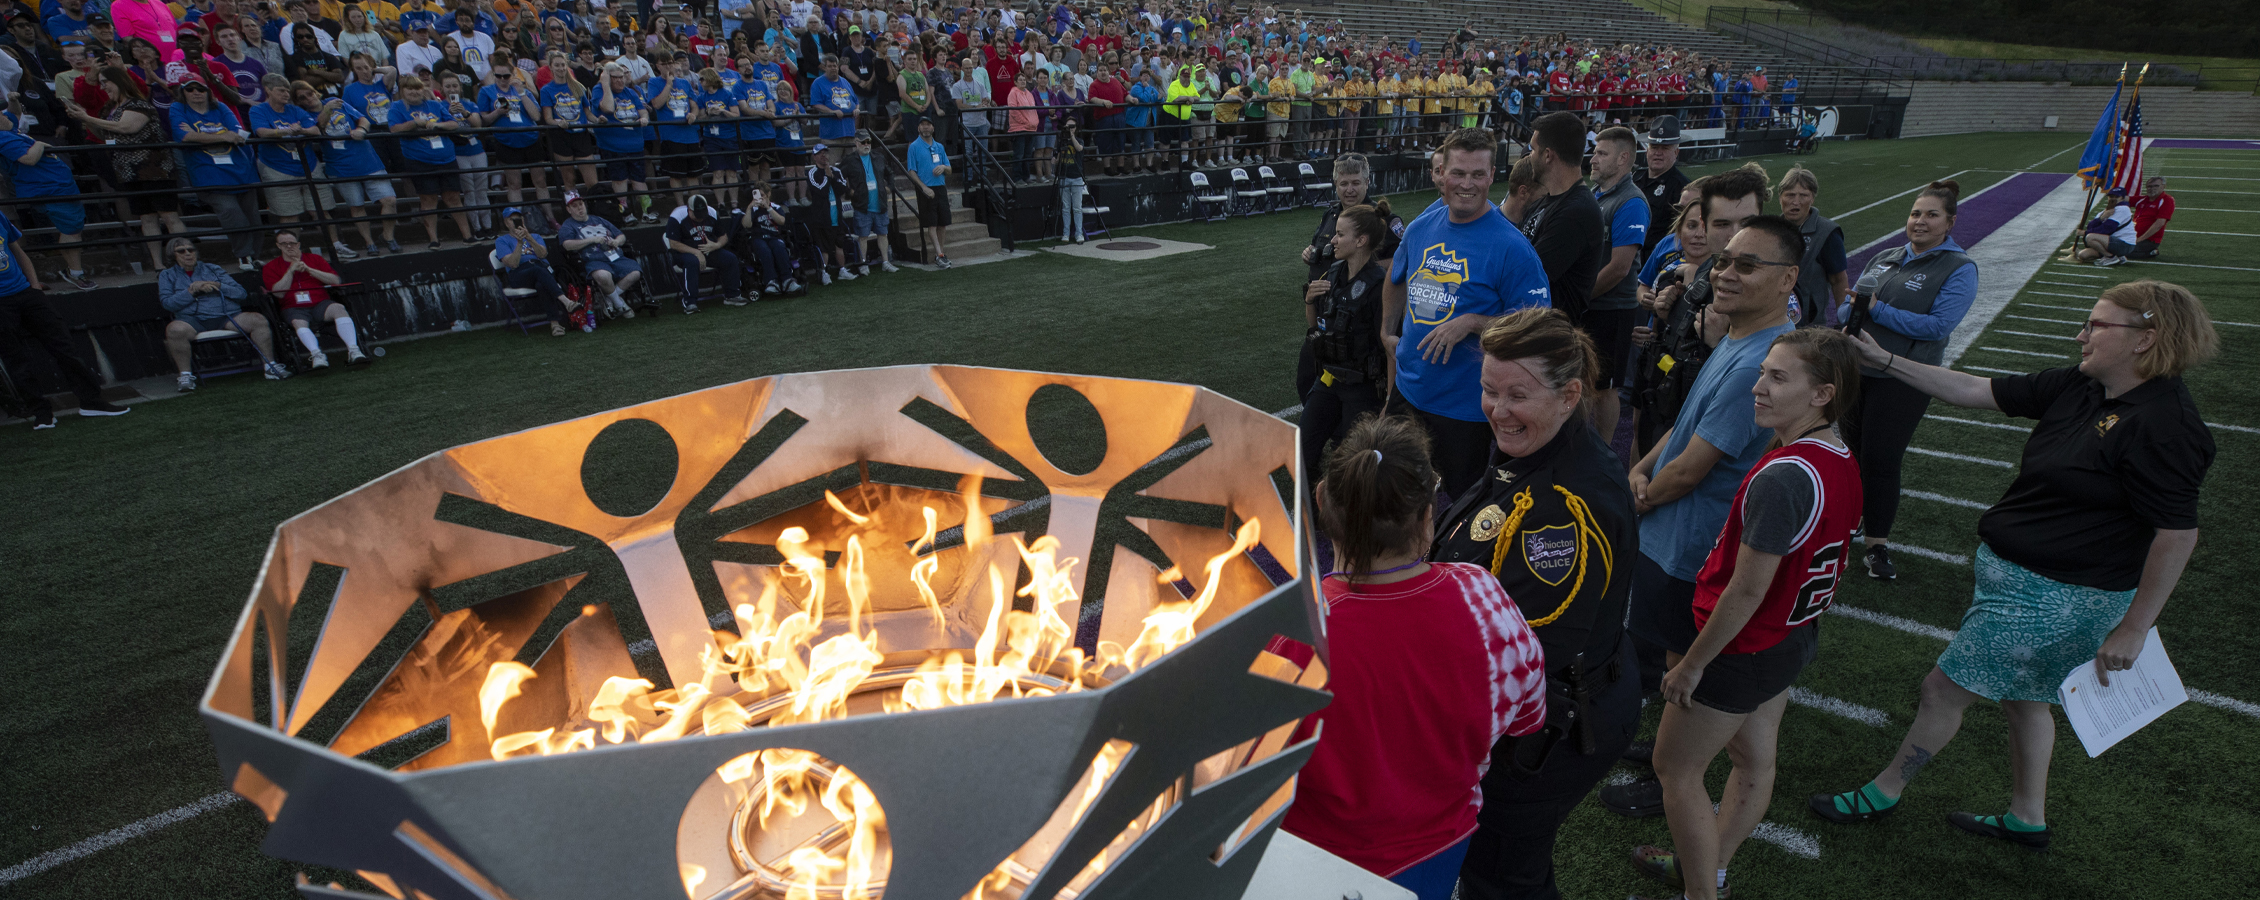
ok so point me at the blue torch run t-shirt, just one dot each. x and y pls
(213, 165)
(516, 126)
(565, 107)
(627, 108)
(50, 177)
(672, 117)
(755, 94)
(1485, 268)
(428, 147)
(832, 94)
(342, 156)
(12, 280)
(282, 156)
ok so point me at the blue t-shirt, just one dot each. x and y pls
(730, 25)
(213, 165)
(12, 280)
(833, 94)
(344, 157)
(410, 17)
(60, 26)
(627, 105)
(788, 125)
(428, 147)
(1679, 535)
(506, 244)
(716, 105)
(1485, 268)
(516, 127)
(1630, 228)
(1663, 257)
(753, 94)
(564, 108)
(673, 115)
(50, 177)
(374, 100)
(281, 157)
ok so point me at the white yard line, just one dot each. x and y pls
(1991, 371)
(1942, 498)
(2074, 274)
(1796, 843)
(2237, 428)
(2153, 262)
(2079, 309)
(2011, 256)
(2215, 209)
(2061, 294)
(2003, 426)
(2228, 703)
(1954, 559)
(1887, 620)
(1845, 708)
(113, 837)
(1289, 411)
(1841, 216)
(1959, 457)
(2049, 321)
(2219, 233)
(2059, 337)
(2024, 352)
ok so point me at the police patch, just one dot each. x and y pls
(1357, 290)
(1486, 525)
(1551, 553)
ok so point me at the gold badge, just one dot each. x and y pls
(2103, 425)
(1486, 525)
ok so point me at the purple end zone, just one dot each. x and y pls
(1981, 214)
(2202, 144)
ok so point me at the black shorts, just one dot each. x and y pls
(1739, 683)
(431, 179)
(681, 160)
(1662, 607)
(572, 144)
(621, 165)
(310, 314)
(534, 154)
(761, 152)
(934, 208)
(165, 200)
(723, 154)
(1611, 331)
(789, 157)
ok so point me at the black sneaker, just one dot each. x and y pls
(1879, 563)
(1641, 752)
(99, 408)
(1993, 827)
(1639, 799)
(43, 420)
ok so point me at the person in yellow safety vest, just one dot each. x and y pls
(1177, 114)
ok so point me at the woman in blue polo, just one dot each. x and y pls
(619, 105)
(219, 167)
(427, 153)
(513, 109)
(44, 179)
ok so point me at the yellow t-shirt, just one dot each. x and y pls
(1331, 97)
(1228, 106)
(1384, 105)
(1478, 92)
(1284, 91)
(1445, 84)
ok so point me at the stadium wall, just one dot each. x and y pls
(1950, 107)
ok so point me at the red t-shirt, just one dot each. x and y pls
(1427, 674)
(302, 291)
(1805, 582)
(2148, 209)
(1111, 92)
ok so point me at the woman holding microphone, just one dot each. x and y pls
(1552, 521)
(2081, 553)
(1923, 289)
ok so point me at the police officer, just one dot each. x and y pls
(1345, 334)
(1353, 177)
(1552, 518)
(1660, 180)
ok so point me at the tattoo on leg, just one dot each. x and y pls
(1913, 763)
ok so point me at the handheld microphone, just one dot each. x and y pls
(1862, 295)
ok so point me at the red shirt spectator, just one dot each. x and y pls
(1004, 72)
(299, 292)
(1427, 674)
(2154, 207)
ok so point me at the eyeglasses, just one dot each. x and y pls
(1749, 265)
(2093, 324)
(195, 87)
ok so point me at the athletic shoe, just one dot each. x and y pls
(276, 372)
(321, 361)
(846, 275)
(1997, 827)
(1639, 799)
(772, 288)
(356, 358)
(1641, 752)
(79, 280)
(735, 301)
(827, 276)
(393, 247)
(1663, 865)
(43, 420)
(343, 251)
(1862, 809)
(862, 271)
(792, 286)
(2111, 260)
(1879, 563)
(889, 266)
(943, 264)
(689, 307)
(100, 408)
(185, 383)
(246, 264)
(434, 245)
(373, 250)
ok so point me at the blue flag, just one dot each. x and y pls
(2095, 162)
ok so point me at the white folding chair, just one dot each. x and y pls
(1314, 189)
(510, 295)
(1215, 205)
(1249, 195)
(1282, 193)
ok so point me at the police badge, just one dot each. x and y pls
(1486, 524)
(1551, 553)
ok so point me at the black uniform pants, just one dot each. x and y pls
(1512, 852)
(1328, 412)
(1460, 450)
(1878, 428)
(27, 320)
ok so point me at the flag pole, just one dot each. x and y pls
(2087, 208)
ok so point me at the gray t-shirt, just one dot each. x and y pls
(1778, 508)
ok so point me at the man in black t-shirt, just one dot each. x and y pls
(699, 241)
(1660, 181)
(1565, 224)
(309, 64)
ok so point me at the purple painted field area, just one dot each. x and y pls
(1981, 214)
(2202, 144)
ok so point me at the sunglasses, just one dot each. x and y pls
(195, 87)
(1749, 265)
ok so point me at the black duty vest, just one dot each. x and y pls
(1347, 335)
(1813, 291)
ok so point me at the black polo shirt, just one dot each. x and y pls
(2099, 478)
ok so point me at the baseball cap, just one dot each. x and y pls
(572, 196)
(2116, 192)
(509, 211)
(97, 19)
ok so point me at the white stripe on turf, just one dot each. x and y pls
(2055, 294)
(1289, 411)
(1840, 218)
(2228, 703)
(113, 837)
(1959, 457)
(2011, 256)
(1887, 620)
(1942, 498)
(2213, 209)
(2077, 309)
(2049, 321)
(2024, 352)
(2232, 428)
(1833, 706)
(1993, 371)
(2082, 309)
(2220, 233)
(2074, 274)
(2004, 426)
(1797, 843)
(2153, 262)
(2060, 337)
(1948, 558)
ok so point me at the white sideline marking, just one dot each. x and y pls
(2032, 334)
(113, 837)
(1845, 708)
(2214, 177)
(1958, 457)
(1954, 559)
(1942, 498)
(2077, 274)
(2211, 191)
(2004, 426)
(1284, 413)
(2153, 262)
(2218, 233)
(1993, 371)
(1797, 843)
(1887, 620)
(2024, 352)
(2052, 306)
(1896, 196)
(2232, 428)
(2059, 294)
(2069, 284)
(2216, 209)
(2011, 256)
(2228, 703)
(2049, 321)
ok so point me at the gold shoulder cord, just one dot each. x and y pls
(1587, 531)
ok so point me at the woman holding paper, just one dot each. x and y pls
(2081, 553)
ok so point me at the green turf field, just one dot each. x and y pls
(134, 542)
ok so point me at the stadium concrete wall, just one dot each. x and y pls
(1948, 107)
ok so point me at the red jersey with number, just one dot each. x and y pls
(1805, 583)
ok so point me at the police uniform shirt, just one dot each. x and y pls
(1347, 334)
(1557, 529)
(1662, 193)
(1322, 241)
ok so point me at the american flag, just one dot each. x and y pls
(2128, 174)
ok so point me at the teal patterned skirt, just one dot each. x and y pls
(2024, 632)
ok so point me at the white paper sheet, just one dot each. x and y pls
(2103, 716)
